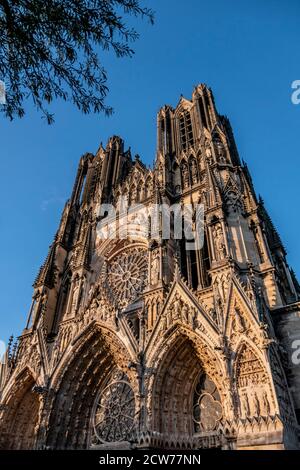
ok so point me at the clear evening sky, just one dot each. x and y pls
(246, 51)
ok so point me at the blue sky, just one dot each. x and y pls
(247, 51)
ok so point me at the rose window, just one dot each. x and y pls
(114, 418)
(207, 410)
(126, 276)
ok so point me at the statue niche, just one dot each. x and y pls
(219, 242)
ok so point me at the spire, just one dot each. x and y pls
(248, 178)
(47, 272)
(272, 234)
(295, 281)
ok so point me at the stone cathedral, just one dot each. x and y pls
(141, 342)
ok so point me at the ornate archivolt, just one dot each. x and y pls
(106, 248)
(101, 333)
(20, 416)
(212, 360)
(20, 377)
(77, 381)
(254, 395)
(176, 395)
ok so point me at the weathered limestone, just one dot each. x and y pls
(143, 342)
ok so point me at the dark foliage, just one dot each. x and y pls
(50, 49)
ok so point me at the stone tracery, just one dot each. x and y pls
(189, 331)
(126, 276)
(115, 413)
(207, 409)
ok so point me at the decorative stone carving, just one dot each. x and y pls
(183, 376)
(126, 276)
(207, 410)
(246, 406)
(238, 322)
(179, 311)
(155, 267)
(266, 404)
(185, 175)
(75, 295)
(233, 202)
(220, 150)
(114, 417)
(249, 369)
(256, 404)
(219, 241)
(194, 171)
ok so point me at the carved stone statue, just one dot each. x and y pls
(176, 308)
(256, 404)
(75, 296)
(220, 150)
(246, 406)
(266, 404)
(232, 201)
(91, 289)
(219, 241)
(213, 314)
(185, 313)
(130, 361)
(185, 175)
(208, 153)
(155, 268)
(238, 322)
(194, 171)
(94, 306)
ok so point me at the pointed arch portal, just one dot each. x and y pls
(21, 415)
(186, 403)
(81, 407)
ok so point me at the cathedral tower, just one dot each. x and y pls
(154, 341)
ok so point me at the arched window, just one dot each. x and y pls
(114, 416)
(202, 112)
(186, 130)
(207, 408)
(62, 303)
(65, 292)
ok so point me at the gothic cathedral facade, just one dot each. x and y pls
(141, 342)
